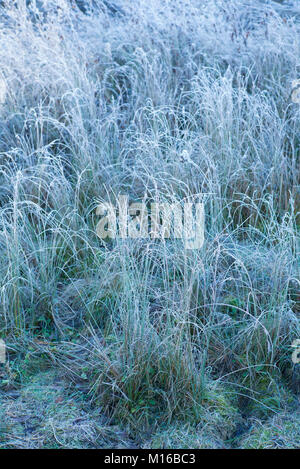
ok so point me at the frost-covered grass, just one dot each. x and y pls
(152, 99)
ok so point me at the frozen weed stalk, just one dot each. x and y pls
(155, 221)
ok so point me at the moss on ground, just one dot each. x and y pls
(49, 411)
(46, 414)
(279, 432)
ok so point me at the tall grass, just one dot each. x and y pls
(154, 104)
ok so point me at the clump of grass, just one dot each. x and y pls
(148, 369)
